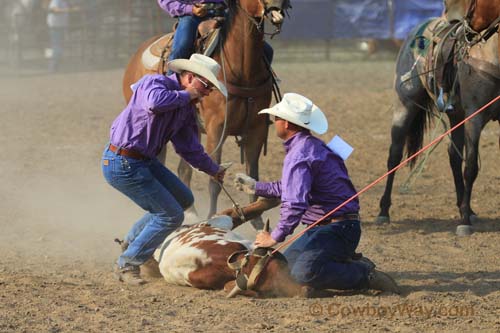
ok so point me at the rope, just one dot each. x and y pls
(366, 188)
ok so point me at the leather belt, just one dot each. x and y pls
(126, 152)
(340, 218)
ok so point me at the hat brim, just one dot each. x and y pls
(317, 122)
(180, 65)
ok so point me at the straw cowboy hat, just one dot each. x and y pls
(300, 111)
(200, 65)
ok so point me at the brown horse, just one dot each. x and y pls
(479, 14)
(246, 75)
(477, 82)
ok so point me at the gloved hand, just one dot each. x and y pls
(200, 10)
(219, 176)
(244, 183)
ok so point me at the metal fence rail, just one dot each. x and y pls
(99, 33)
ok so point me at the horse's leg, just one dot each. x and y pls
(185, 173)
(409, 118)
(214, 134)
(401, 122)
(455, 152)
(473, 132)
(252, 148)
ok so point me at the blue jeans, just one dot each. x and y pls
(155, 189)
(320, 258)
(185, 36)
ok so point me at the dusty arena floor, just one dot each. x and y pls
(58, 219)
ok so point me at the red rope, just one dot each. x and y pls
(439, 138)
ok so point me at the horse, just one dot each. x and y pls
(477, 82)
(249, 81)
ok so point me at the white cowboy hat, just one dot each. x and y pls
(200, 65)
(300, 111)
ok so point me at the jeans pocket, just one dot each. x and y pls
(107, 165)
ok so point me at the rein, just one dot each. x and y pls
(258, 22)
(470, 11)
(248, 93)
(477, 36)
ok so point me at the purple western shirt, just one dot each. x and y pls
(314, 181)
(160, 111)
(182, 7)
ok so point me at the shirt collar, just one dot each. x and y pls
(296, 137)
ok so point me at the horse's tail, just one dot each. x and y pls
(415, 138)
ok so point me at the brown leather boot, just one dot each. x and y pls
(129, 274)
(378, 280)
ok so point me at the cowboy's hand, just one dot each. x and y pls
(244, 183)
(194, 94)
(264, 239)
(219, 176)
(200, 10)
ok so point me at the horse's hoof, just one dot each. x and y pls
(381, 220)
(474, 218)
(464, 230)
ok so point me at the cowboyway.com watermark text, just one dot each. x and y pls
(391, 311)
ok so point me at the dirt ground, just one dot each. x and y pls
(58, 219)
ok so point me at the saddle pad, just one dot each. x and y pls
(151, 55)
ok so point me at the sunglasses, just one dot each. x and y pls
(205, 84)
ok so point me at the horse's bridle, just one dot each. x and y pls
(472, 36)
(258, 21)
(470, 11)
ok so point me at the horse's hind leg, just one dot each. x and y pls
(455, 152)
(473, 130)
(407, 124)
(402, 119)
(253, 147)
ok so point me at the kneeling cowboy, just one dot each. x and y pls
(314, 181)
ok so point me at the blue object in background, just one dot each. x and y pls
(409, 13)
(335, 19)
(361, 19)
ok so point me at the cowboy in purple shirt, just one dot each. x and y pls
(190, 14)
(161, 109)
(314, 181)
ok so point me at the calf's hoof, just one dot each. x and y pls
(381, 220)
(464, 230)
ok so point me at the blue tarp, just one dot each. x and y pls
(382, 19)
(409, 13)
(361, 18)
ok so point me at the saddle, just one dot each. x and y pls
(155, 56)
(441, 60)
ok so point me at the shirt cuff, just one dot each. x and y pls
(185, 97)
(278, 235)
(260, 189)
(188, 10)
(213, 170)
